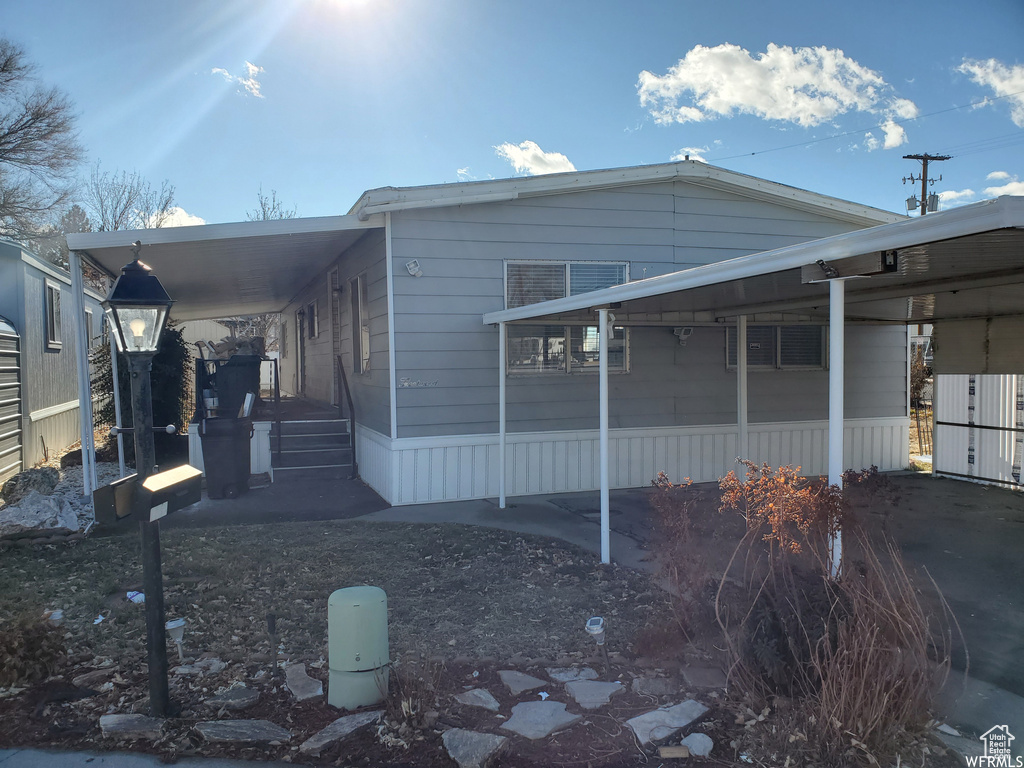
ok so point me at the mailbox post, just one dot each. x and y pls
(136, 310)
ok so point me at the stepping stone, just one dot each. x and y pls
(518, 682)
(662, 723)
(655, 686)
(93, 679)
(201, 667)
(300, 684)
(591, 694)
(478, 697)
(571, 674)
(704, 677)
(236, 698)
(537, 719)
(242, 731)
(131, 726)
(471, 749)
(337, 731)
(699, 744)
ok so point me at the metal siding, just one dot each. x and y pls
(449, 361)
(995, 403)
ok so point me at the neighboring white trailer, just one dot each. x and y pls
(979, 427)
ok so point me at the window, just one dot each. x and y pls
(780, 346)
(312, 320)
(560, 348)
(360, 325)
(90, 339)
(53, 315)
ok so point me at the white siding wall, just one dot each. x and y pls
(426, 469)
(448, 360)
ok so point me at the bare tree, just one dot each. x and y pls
(122, 200)
(51, 242)
(39, 149)
(269, 208)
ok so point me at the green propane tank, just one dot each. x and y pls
(357, 645)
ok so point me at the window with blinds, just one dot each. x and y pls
(560, 348)
(780, 346)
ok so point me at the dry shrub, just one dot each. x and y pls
(684, 573)
(411, 706)
(31, 650)
(859, 658)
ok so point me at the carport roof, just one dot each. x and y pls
(220, 270)
(966, 262)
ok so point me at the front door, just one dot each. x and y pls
(335, 297)
(300, 353)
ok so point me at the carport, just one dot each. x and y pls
(952, 269)
(211, 271)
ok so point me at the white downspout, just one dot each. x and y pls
(502, 335)
(602, 323)
(742, 427)
(84, 385)
(836, 360)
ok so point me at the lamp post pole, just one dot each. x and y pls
(152, 575)
(136, 310)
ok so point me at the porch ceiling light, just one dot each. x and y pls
(137, 308)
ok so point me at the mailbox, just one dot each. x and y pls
(158, 496)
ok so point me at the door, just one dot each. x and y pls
(334, 286)
(300, 353)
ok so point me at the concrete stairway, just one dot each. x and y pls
(319, 448)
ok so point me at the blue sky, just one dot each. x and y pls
(323, 99)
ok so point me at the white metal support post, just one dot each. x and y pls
(84, 385)
(118, 420)
(836, 360)
(742, 429)
(502, 363)
(603, 330)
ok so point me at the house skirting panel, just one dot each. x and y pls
(454, 467)
(259, 448)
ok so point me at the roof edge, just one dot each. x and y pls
(471, 192)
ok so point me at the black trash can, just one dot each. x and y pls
(237, 377)
(226, 456)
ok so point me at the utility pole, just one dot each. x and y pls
(923, 178)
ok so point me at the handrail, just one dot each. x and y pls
(277, 412)
(351, 415)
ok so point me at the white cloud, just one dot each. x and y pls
(694, 153)
(997, 176)
(530, 159)
(951, 198)
(464, 174)
(805, 86)
(1007, 82)
(1009, 188)
(179, 217)
(249, 82)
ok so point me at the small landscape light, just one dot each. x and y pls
(595, 627)
(176, 628)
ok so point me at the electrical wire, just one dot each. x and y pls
(971, 148)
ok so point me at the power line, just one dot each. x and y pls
(809, 142)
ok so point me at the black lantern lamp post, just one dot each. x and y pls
(136, 311)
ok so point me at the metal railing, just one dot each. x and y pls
(343, 379)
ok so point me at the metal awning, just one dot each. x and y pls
(963, 263)
(219, 270)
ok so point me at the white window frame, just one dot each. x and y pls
(731, 336)
(360, 324)
(312, 319)
(567, 366)
(51, 306)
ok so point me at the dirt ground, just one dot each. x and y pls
(464, 602)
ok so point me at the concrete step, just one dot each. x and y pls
(310, 442)
(312, 458)
(313, 427)
(305, 474)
